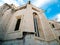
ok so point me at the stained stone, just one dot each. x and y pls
(33, 24)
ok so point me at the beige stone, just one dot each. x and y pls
(45, 32)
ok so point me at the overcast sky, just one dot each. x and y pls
(51, 7)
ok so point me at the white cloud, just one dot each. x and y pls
(37, 3)
(1, 3)
(40, 3)
(21, 1)
(11, 2)
(57, 17)
(15, 2)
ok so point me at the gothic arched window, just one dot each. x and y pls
(35, 18)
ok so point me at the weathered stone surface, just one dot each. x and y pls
(8, 19)
(15, 42)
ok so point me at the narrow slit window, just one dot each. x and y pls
(17, 24)
(36, 24)
(53, 26)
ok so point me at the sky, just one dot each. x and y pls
(51, 7)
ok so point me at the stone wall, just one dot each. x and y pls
(30, 40)
(13, 42)
(8, 23)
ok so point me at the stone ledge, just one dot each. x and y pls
(41, 39)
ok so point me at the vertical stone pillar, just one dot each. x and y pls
(28, 20)
(29, 39)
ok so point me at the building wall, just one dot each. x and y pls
(30, 40)
(56, 28)
(26, 33)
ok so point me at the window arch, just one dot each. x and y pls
(34, 13)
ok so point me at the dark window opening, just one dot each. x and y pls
(53, 26)
(59, 37)
(17, 24)
(36, 27)
(36, 24)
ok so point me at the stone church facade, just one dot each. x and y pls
(27, 25)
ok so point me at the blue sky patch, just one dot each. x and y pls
(51, 7)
